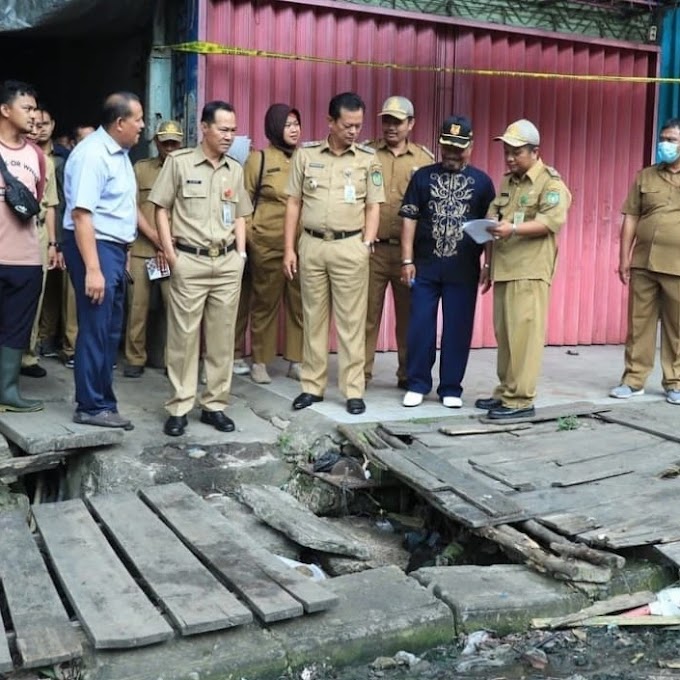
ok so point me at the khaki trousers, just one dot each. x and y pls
(520, 310)
(202, 290)
(652, 296)
(139, 295)
(30, 356)
(68, 345)
(269, 288)
(50, 315)
(243, 313)
(385, 268)
(333, 274)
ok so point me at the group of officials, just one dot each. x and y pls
(327, 225)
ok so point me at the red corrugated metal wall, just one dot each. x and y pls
(597, 134)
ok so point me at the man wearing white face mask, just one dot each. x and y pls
(649, 263)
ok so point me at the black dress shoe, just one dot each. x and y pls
(133, 371)
(488, 404)
(355, 406)
(33, 371)
(304, 400)
(402, 384)
(507, 412)
(218, 420)
(174, 426)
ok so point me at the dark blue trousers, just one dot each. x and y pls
(99, 326)
(20, 287)
(458, 311)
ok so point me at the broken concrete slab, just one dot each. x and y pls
(503, 597)
(283, 512)
(249, 525)
(380, 612)
(54, 430)
(247, 652)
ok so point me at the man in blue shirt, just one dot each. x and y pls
(440, 261)
(99, 224)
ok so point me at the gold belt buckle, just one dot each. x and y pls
(328, 235)
(214, 251)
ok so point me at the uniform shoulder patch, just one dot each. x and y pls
(309, 145)
(427, 151)
(364, 148)
(552, 172)
(552, 198)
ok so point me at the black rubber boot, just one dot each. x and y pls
(10, 399)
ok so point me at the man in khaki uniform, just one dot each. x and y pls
(531, 208)
(46, 223)
(650, 264)
(335, 190)
(147, 246)
(203, 191)
(400, 158)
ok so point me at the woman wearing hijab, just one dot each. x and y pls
(266, 177)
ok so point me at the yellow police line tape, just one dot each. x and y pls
(200, 47)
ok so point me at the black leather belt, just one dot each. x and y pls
(330, 235)
(213, 251)
(387, 242)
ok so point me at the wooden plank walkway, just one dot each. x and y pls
(192, 597)
(44, 634)
(273, 592)
(111, 607)
(589, 483)
(54, 430)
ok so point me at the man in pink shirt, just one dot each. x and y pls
(20, 256)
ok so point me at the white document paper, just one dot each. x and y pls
(476, 229)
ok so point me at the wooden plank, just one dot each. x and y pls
(647, 418)
(283, 512)
(206, 532)
(54, 430)
(518, 484)
(44, 634)
(313, 596)
(670, 551)
(578, 408)
(111, 607)
(193, 598)
(24, 465)
(623, 620)
(468, 486)
(463, 430)
(617, 603)
(455, 507)
(6, 664)
(409, 472)
(586, 473)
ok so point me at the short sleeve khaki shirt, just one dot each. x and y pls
(397, 173)
(204, 200)
(655, 199)
(335, 189)
(50, 197)
(539, 195)
(146, 174)
(267, 220)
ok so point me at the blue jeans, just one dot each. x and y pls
(458, 311)
(99, 325)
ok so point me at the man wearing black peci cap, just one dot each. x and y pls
(441, 262)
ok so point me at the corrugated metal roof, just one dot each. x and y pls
(597, 134)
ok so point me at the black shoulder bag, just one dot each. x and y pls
(18, 196)
(258, 188)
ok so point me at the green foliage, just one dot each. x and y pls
(566, 423)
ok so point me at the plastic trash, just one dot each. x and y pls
(475, 641)
(312, 571)
(384, 524)
(406, 659)
(667, 603)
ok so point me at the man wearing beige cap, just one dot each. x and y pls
(531, 208)
(147, 246)
(400, 158)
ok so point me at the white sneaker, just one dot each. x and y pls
(258, 374)
(240, 367)
(412, 399)
(294, 370)
(452, 402)
(625, 392)
(673, 396)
